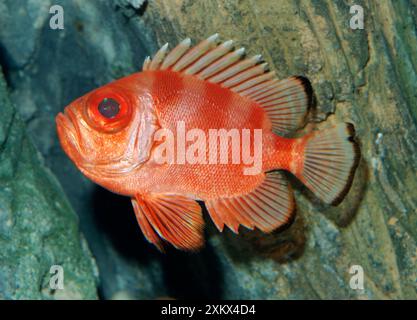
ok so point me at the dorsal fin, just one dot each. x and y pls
(285, 101)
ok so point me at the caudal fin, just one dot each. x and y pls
(330, 159)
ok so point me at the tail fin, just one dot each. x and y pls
(330, 159)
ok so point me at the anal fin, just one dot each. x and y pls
(173, 218)
(267, 207)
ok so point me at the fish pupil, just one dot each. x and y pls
(109, 108)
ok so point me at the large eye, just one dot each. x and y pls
(108, 110)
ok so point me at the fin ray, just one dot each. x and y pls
(146, 227)
(176, 219)
(330, 159)
(196, 52)
(267, 207)
(221, 63)
(248, 77)
(207, 59)
(176, 54)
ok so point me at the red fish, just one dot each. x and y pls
(111, 136)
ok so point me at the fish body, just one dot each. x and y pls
(155, 136)
(214, 107)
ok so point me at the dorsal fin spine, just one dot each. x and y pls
(158, 58)
(210, 57)
(195, 53)
(235, 69)
(222, 63)
(176, 53)
(146, 63)
(286, 101)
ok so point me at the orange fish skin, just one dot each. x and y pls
(113, 135)
(174, 97)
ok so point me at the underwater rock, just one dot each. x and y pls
(38, 228)
(20, 29)
(364, 76)
(98, 43)
(367, 77)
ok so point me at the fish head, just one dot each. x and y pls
(108, 132)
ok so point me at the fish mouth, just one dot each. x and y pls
(138, 147)
(68, 134)
(69, 137)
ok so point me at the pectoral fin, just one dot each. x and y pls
(173, 218)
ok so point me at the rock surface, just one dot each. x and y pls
(38, 227)
(367, 77)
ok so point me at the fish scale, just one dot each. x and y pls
(207, 87)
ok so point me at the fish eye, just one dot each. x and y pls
(109, 108)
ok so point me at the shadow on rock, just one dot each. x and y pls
(115, 217)
(344, 213)
(193, 275)
(185, 275)
(283, 245)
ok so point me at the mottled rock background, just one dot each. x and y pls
(367, 77)
(38, 227)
